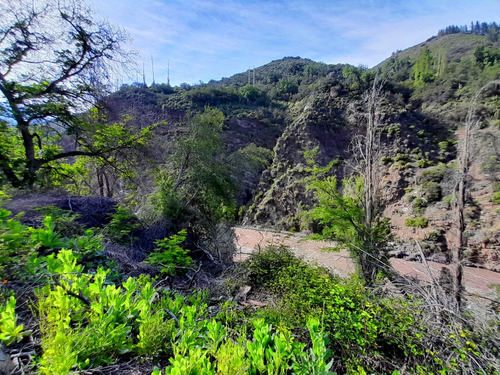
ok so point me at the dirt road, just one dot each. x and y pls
(476, 280)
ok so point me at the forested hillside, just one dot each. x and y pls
(117, 209)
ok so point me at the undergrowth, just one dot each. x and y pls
(88, 317)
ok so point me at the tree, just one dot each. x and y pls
(54, 62)
(352, 215)
(197, 190)
(422, 70)
(464, 163)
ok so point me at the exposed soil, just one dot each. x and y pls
(248, 240)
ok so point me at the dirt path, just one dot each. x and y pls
(248, 240)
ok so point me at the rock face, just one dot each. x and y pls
(324, 122)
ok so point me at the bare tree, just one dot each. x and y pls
(352, 215)
(464, 163)
(368, 152)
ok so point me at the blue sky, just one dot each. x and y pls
(211, 39)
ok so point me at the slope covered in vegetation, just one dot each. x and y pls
(117, 248)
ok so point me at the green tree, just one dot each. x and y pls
(286, 87)
(54, 61)
(197, 186)
(249, 92)
(352, 214)
(423, 68)
(197, 190)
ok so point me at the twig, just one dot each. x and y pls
(191, 280)
(172, 315)
(80, 296)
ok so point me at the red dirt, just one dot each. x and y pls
(248, 240)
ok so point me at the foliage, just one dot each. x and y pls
(487, 56)
(122, 226)
(169, 256)
(65, 222)
(286, 87)
(85, 322)
(68, 66)
(343, 219)
(359, 326)
(200, 179)
(422, 70)
(10, 332)
(15, 244)
(46, 238)
(417, 222)
(434, 174)
(197, 191)
(431, 191)
(253, 95)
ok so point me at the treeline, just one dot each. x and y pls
(492, 30)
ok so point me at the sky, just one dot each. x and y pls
(202, 40)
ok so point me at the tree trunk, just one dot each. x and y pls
(464, 165)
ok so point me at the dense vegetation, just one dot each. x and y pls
(124, 263)
(88, 315)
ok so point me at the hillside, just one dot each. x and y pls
(291, 106)
(423, 125)
(129, 226)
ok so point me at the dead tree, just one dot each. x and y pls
(464, 162)
(367, 152)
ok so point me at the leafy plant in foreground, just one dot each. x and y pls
(10, 332)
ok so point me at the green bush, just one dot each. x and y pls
(263, 265)
(496, 193)
(387, 160)
(419, 204)
(64, 220)
(86, 322)
(417, 222)
(446, 147)
(10, 332)
(431, 191)
(496, 198)
(169, 256)
(122, 226)
(358, 325)
(434, 174)
(424, 163)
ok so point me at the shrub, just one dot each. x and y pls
(387, 160)
(122, 226)
(431, 191)
(358, 326)
(496, 198)
(434, 174)
(446, 147)
(86, 322)
(402, 158)
(263, 265)
(423, 163)
(448, 199)
(417, 222)
(65, 222)
(419, 204)
(169, 256)
(10, 332)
